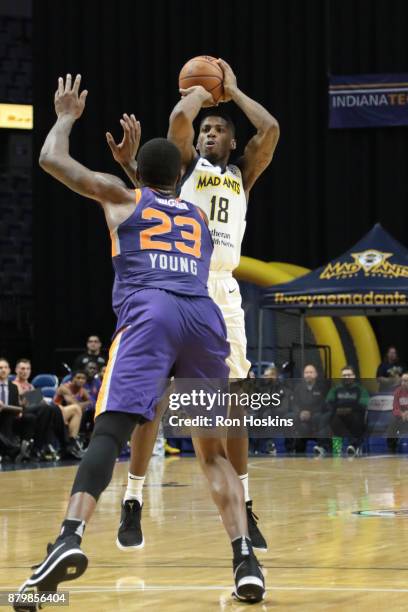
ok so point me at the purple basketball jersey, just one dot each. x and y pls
(164, 244)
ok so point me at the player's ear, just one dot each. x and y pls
(233, 144)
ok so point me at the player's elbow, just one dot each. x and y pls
(178, 119)
(43, 160)
(46, 160)
(272, 129)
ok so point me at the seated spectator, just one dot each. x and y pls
(270, 383)
(390, 370)
(23, 373)
(73, 399)
(348, 403)
(93, 382)
(8, 397)
(310, 412)
(399, 420)
(93, 353)
(49, 424)
(92, 386)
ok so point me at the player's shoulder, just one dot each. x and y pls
(201, 163)
(235, 170)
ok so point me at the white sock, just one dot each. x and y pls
(245, 483)
(135, 488)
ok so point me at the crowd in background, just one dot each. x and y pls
(52, 427)
(322, 412)
(59, 424)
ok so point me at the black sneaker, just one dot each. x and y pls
(256, 537)
(130, 535)
(64, 561)
(73, 449)
(25, 451)
(249, 580)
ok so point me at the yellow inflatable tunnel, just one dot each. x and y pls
(323, 328)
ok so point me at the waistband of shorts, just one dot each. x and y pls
(219, 275)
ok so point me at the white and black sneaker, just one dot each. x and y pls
(351, 451)
(130, 535)
(64, 561)
(256, 537)
(248, 576)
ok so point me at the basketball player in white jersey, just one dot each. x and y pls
(222, 191)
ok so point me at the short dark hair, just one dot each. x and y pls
(159, 163)
(310, 365)
(348, 367)
(22, 360)
(76, 372)
(92, 362)
(6, 360)
(221, 115)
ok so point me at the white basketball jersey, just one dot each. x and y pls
(221, 196)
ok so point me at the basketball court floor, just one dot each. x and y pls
(322, 555)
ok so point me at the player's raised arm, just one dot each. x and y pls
(259, 150)
(181, 131)
(56, 159)
(125, 152)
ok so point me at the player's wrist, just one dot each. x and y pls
(202, 94)
(130, 164)
(65, 118)
(233, 92)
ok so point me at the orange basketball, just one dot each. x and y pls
(203, 70)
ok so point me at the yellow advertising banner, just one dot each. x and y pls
(16, 116)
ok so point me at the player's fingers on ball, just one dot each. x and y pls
(68, 81)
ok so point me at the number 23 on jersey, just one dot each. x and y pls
(149, 236)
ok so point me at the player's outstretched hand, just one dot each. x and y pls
(66, 99)
(230, 80)
(206, 97)
(126, 150)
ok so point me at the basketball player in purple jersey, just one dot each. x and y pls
(222, 190)
(167, 323)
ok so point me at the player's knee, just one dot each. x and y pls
(211, 459)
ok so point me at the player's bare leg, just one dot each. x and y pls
(130, 535)
(237, 450)
(142, 444)
(227, 493)
(65, 560)
(237, 447)
(225, 487)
